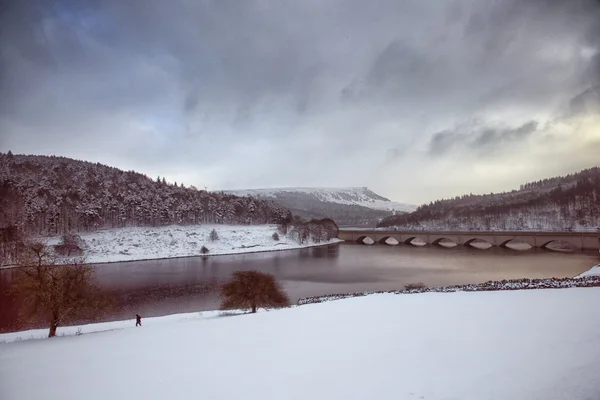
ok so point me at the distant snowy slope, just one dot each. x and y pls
(359, 196)
(357, 206)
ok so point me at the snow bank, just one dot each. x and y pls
(471, 346)
(143, 243)
(594, 271)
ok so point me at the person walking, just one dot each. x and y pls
(138, 320)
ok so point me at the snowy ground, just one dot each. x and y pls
(532, 344)
(594, 271)
(141, 243)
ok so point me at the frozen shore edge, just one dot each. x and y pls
(299, 247)
(503, 285)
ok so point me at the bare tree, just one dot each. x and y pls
(60, 291)
(69, 245)
(283, 228)
(329, 228)
(11, 245)
(253, 290)
(314, 230)
(299, 232)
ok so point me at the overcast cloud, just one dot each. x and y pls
(416, 99)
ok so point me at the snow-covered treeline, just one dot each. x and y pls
(569, 202)
(52, 195)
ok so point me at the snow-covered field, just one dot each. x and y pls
(141, 243)
(531, 344)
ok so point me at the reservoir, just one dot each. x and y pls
(160, 287)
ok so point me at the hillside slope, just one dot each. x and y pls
(347, 206)
(51, 195)
(569, 202)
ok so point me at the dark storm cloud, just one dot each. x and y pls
(479, 138)
(237, 94)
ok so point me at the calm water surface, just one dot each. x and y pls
(160, 287)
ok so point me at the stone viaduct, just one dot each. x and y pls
(580, 240)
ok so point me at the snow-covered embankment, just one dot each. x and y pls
(143, 243)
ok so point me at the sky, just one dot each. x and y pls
(416, 99)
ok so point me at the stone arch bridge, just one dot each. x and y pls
(580, 240)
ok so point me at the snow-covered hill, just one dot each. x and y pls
(358, 196)
(354, 205)
(567, 202)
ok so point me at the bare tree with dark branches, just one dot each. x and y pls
(59, 290)
(70, 245)
(250, 290)
(11, 244)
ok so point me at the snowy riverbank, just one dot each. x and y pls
(145, 243)
(594, 271)
(481, 345)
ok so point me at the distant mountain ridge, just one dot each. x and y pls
(347, 206)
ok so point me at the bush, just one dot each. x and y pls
(214, 236)
(204, 250)
(415, 286)
(275, 236)
(252, 290)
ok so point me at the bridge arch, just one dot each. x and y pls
(437, 242)
(472, 241)
(385, 241)
(361, 240)
(519, 244)
(410, 239)
(559, 245)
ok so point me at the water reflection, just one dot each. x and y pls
(161, 287)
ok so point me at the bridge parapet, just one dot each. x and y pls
(580, 240)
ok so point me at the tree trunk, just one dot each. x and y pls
(253, 307)
(53, 326)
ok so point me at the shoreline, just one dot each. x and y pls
(223, 254)
(490, 286)
(333, 241)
